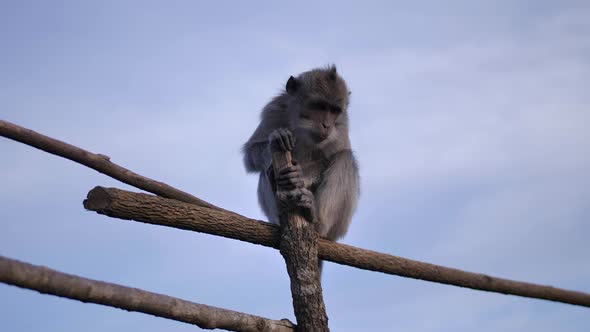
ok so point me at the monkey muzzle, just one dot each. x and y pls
(321, 135)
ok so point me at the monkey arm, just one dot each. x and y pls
(257, 157)
(337, 195)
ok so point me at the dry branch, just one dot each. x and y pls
(48, 281)
(238, 227)
(98, 162)
(299, 248)
(160, 211)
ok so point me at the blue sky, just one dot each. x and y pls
(469, 120)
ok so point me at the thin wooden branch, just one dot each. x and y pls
(166, 212)
(48, 281)
(299, 248)
(98, 162)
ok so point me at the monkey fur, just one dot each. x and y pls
(310, 119)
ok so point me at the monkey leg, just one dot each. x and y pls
(299, 199)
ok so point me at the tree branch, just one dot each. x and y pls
(48, 281)
(299, 248)
(166, 212)
(98, 162)
(238, 227)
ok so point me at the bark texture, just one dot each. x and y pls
(156, 210)
(299, 248)
(161, 211)
(48, 281)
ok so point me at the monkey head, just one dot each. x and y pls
(319, 105)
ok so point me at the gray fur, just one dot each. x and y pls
(328, 167)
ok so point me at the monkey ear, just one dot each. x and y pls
(292, 85)
(332, 72)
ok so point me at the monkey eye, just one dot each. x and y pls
(318, 105)
(336, 109)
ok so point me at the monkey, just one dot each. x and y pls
(310, 119)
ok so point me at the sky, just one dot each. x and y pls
(469, 120)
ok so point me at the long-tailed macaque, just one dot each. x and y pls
(310, 119)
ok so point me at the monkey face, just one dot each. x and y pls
(319, 118)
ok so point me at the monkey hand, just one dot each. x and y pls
(300, 199)
(281, 139)
(289, 178)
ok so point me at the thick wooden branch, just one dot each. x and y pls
(98, 162)
(48, 281)
(161, 211)
(156, 210)
(299, 248)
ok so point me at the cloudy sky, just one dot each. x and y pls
(470, 121)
